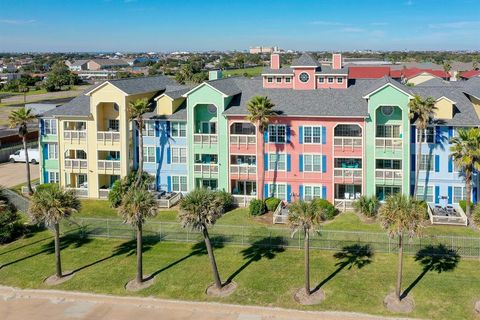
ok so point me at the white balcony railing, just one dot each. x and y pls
(205, 138)
(242, 139)
(347, 173)
(75, 135)
(243, 169)
(389, 144)
(108, 165)
(108, 136)
(76, 164)
(79, 192)
(242, 200)
(103, 193)
(388, 174)
(347, 142)
(343, 204)
(205, 168)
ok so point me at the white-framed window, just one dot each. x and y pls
(179, 155)
(426, 162)
(208, 127)
(321, 80)
(269, 79)
(277, 133)
(425, 194)
(312, 192)
(277, 162)
(312, 162)
(179, 184)
(50, 126)
(312, 134)
(330, 79)
(53, 177)
(113, 125)
(388, 131)
(278, 79)
(278, 190)
(427, 135)
(459, 193)
(149, 130)
(383, 192)
(339, 80)
(149, 154)
(52, 151)
(288, 79)
(178, 129)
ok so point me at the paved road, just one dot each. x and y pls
(12, 174)
(16, 304)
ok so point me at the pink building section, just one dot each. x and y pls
(335, 85)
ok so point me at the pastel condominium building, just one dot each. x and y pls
(332, 137)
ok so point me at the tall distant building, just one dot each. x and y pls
(256, 50)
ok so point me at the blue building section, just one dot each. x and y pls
(442, 183)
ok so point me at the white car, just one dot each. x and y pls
(19, 156)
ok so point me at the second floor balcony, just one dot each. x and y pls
(108, 137)
(205, 138)
(389, 176)
(75, 136)
(205, 168)
(389, 144)
(76, 164)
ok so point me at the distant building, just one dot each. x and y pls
(99, 64)
(256, 50)
(78, 65)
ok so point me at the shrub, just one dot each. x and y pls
(256, 207)
(463, 205)
(121, 186)
(227, 199)
(10, 225)
(272, 203)
(368, 206)
(329, 210)
(476, 215)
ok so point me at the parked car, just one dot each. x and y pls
(19, 156)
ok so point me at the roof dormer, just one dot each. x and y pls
(445, 108)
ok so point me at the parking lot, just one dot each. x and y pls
(12, 174)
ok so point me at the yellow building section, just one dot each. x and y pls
(167, 106)
(445, 108)
(421, 78)
(476, 104)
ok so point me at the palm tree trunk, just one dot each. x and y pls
(306, 246)
(27, 164)
(417, 167)
(398, 288)
(139, 278)
(58, 262)
(213, 263)
(140, 153)
(468, 196)
(262, 159)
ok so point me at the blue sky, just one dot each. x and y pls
(166, 25)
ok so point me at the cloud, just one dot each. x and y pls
(455, 25)
(16, 21)
(409, 3)
(379, 24)
(327, 23)
(352, 30)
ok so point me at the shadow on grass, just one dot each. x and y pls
(265, 248)
(437, 258)
(350, 256)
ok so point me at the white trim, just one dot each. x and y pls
(202, 84)
(449, 100)
(320, 185)
(304, 66)
(179, 183)
(104, 84)
(278, 153)
(154, 153)
(277, 74)
(331, 74)
(163, 94)
(384, 86)
(313, 154)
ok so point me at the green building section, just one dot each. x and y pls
(388, 140)
(46, 163)
(207, 138)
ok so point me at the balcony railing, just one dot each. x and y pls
(108, 164)
(389, 144)
(79, 192)
(242, 200)
(388, 174)
(242, 139)
(347, 142)
(343, 204)
(347, 173)
(76, 164)
(75, 135)
(205, 138)
(103, 193)
(205, 168)
(243, 169)
(108, 136)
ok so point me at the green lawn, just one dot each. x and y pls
(249, 72)
(183, 272)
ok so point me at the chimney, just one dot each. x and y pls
(214, 74)
(275, 61)
(337, 61)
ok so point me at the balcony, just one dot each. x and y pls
(242, 139)
(205, 169)
(108, 166)
(242, 200)
(75, 136)
(347, 143)
(246, 169)
(76, 164)
(103, 193)
(79, 192)
(205, 138)
(389, 176)
(108, 137)
(389, 144)
(348, 174)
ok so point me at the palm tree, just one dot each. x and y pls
(200, 209)
(21, 118)
(303, 217)
(465, 152)
(260, 111)
(49, 205)
(400, 216)
(422, 111)
(447, 66)
(136, 110)
(137, 205)
(24, 89)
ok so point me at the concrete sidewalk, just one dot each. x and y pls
(18, 304)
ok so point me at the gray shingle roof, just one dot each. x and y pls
(305, 60)
(330, 70)
(378, 83)
(285, 70)
(227, 86)
(180, 114)
(472, 87)
(78, 106)
(175, 94)
(79, 62)
(144, 84)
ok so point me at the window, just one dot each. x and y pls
(149, 154)
(425, 194)
(348, 130)
(53, 177)
(312, 192)
(277, 133)
(278, 191)
(50, 126)
(388, 131)
(304, 77)
(243, 159)
(312, 162)
(383, 192)
(209, 127)
(426, 135)
(178, 129)
(179, 155)
(288, 79)
(426, 162)
(330, 79)
(52, 151)
(242, 128)
(149, 130)
(248, 188)
(459, 193)
(339, 80)
(278, 79)
(389, 164)
(321, 80)
(210, 184)
(312, 134)
(277, 161)
(348, 163)
(387, 110)
(269, 79)
(179, 183)
(113, 125)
